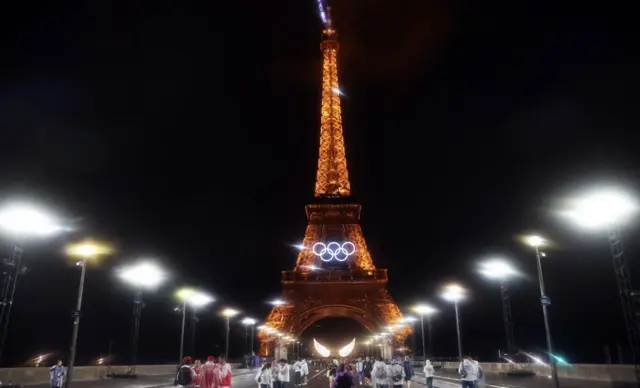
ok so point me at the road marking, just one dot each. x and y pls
(317, 374)
(458, 382)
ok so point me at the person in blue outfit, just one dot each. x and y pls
(56, 373)
(408, 371)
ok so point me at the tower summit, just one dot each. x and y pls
(332, 178)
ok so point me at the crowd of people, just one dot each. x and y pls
(396, 374)
(274, 374)
(211, 374)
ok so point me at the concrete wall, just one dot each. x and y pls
(619, 373)
(41, 375)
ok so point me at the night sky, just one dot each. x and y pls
(188, 132)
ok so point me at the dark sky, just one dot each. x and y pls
(189, 132)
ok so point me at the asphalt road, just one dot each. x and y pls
(244, 378)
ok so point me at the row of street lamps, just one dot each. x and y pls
(27, 221)
(606, 209)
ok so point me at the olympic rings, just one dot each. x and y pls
(334, 250)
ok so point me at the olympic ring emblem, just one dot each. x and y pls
(334, 250)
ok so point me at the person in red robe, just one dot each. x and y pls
(224, 373)
(197, 374)
(210, 373)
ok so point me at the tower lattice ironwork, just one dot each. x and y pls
(318, 288)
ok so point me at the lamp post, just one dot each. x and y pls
(249, 322)
(87, 251)
(20, 221)
(425, 309)
(411, 320)
(228, 314)
(502, 271)
(609, 209)
(143, 275)
(536, 242)
(193, 298)
(454, 293)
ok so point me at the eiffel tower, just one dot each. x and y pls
(334, 274)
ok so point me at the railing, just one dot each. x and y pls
(335, 275)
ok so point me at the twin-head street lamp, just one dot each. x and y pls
(21, 221)
(454, 293)
(86, 251)
(537, 242)
(249, 322)
(422, 310)
(501, 270)
(228, 313)
(145, 275)
(192, 298)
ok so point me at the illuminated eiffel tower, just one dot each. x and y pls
(334, 274)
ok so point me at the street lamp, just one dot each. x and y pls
(536, 242)
(425, 309)
(610, 209)
(86, 251)
(249, 322)
(410, 321)
(143, 275)
(502, 271)
(193, 298)
(20, 221)
(454, 293)
(228, 314)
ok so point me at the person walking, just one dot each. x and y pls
(480, 379)
(284, 373)
(225, 375)
(360, 371)
(297, 371)
(210, 373)
(305, 371)
(197, 374)
(397, 374)
(184, 377)
(408, 370)
(429, 373)
(468, 373)
(264, 377)
(344, 377)
(380, 374)
(367, 368)
(56, 374)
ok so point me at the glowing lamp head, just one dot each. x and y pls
(497, 269)
(248, 321)
(229, 313)
(87, 250)
(535, 241)
(602, 209)
(143, 275)
(278, 302)
(453, 293)
(424, 309)
(27, 220)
